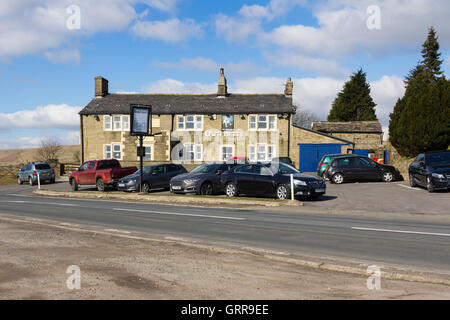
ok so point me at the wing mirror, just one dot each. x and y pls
(219, 172)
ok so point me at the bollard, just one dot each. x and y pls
(292, 187)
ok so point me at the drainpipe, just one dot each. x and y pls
(82, 138)
(289, 136)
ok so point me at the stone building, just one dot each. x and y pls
(367, 136)
(192, 128)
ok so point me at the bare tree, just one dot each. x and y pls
(305, 118)
(49, 149)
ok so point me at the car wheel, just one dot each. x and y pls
(412, 181)
(30, 181)
(145, 187)
(100, 185)
(206, 189)
(19, 181)
(337, 178)
(430, 186)
(231, 190)
(74, 184)
(388, 176)
(282, 192)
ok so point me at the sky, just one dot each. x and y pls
(51, 50)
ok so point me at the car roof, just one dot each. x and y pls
(434, 152)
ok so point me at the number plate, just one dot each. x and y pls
(44, 174)
(320, 190)
(121, 185)
(176, 188)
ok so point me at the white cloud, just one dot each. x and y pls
(175, 86)
(48, 117)
(68, 138)
(63, 56)
(31, 27)
(172, 30)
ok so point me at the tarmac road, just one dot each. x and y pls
(412, 243)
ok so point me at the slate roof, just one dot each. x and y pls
(348, 127)
(118, 103)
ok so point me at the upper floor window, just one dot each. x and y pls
(190, 123)
(262, 122)
(116, 123)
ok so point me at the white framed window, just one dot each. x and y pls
(180, 125)
(190, 123)
(261, 152)
(262, 122)
(148, 153)
(227, 151)
(271, 153)
(252, 123)
(199, 123)
(107, 151)
(125, 123)
(193, 152)
(272, 122)
(117, 151)
(252, 153)
(117, 123)
(107, 123)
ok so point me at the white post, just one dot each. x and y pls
(39, 181)
(292, 187)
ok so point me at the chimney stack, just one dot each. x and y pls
(222, 88)
(101, 87)
(289, 88)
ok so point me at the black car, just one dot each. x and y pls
(204, 179)
(325, 161)
(271, 179)
(155, 177)
(431, 170)
(358, 168)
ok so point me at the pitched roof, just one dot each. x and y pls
(191, 104)
(348, 127)
(323, 134)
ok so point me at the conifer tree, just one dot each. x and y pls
(354, 102)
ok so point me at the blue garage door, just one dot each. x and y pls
(361, 152)
(311, 154)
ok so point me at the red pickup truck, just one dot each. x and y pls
(102, 173)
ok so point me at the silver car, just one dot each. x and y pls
(29, 173)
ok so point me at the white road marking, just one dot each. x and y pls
(403, 231)
(116, 230)
(180, 214)
(37, 202)
(408, 187)
(12, 201)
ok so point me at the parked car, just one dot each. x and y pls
(359, 168)
(286, 160)
(272, 179)
(325, 161)
(29, 173)
(154, 177)
(431, 170)
(102, 173)
(204, 179)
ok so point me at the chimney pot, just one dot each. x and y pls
(101, 86)
(222, 90)
(289, 88)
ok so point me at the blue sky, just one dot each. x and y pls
(47, 70)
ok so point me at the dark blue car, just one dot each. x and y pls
(273, 179)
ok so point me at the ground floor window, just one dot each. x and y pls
(113, 151)
(261, 153)
(227, 152)
(148, 153)
(192, 152)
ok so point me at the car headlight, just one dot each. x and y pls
(438, 175)
(300, 183)
(191, 181)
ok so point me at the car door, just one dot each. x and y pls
(365, 170)
(346, 166)
(81, 173)
(89, 173)
(21, 174)
(244, 178)
(421, 171)
(158, 176)
(262, 182)
(172, 170)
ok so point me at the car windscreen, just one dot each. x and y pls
(43, 166)
(438, 159)
(283, 168)
(206, 168)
